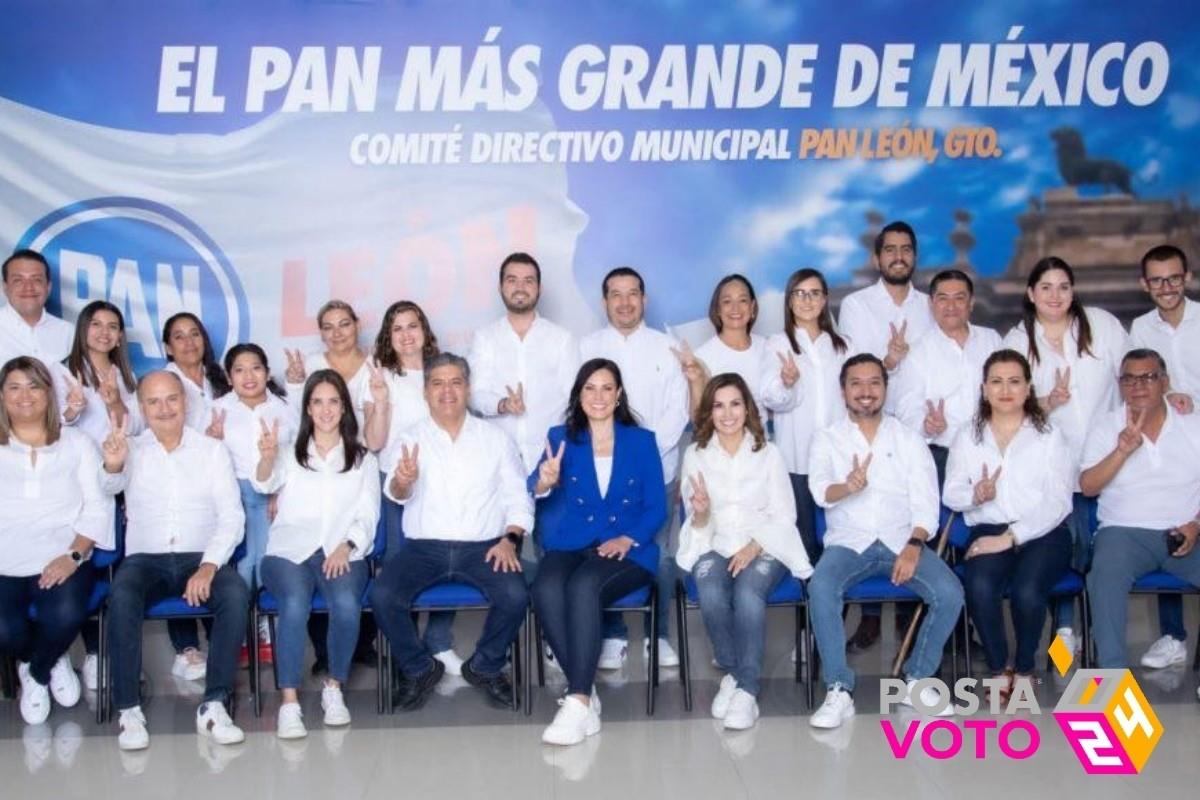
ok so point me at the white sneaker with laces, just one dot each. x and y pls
(213, 722)
(929, 697)
(290, 722)
(191, 665)
(837, 708)
(612, 654)
(720, 703)
(667, 657)
(334, 706)
(64, 683)
(1165, 652)
(91, 672)
(452, 661)
(133, 734)
(35, 697)
(1068, 637)
(743, 711)
(573, 723)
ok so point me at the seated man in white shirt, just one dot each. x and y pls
(185, 518)
(466, 511)
(1144, 462)
(876, 478)
(26, 328)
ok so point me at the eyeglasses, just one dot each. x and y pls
(1174, 281)
(806, 294)
(1144, 379)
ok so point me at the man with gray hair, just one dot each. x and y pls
(466, 511)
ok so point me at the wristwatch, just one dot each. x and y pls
(915, 540)
(518, 541)
(77, 557)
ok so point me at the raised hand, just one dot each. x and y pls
(856, 480)
(693, 371)
(407, 470)
(295, 366)
(107, 389)
(897, 347)
(116, 445)
(216, 428)
(378, 385)
(514, 403)
(268, 441)
(1181, 402)
(789, 371)
(935, 418)
(701, 502)
(1061, 393)
(985, 487)
(1130, 437)
(76, 399)
(550, 470)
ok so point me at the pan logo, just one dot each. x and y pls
(148, 260)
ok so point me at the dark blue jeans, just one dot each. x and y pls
(144, 579)
(569, 594)
(422, 563)
(614, 624)
(293, 586)
(60, 614)
(439, 627)
(1026, 574)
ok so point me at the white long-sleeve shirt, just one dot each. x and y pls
(93, 418)
(938, 369)
(183, 501)
(46, 504)
(1179, 347)
(200, 399)
(243, 428)
(544, 363)
(1033, 493)
(49, 340)
(759, 368)
(468, 489)
(819, 394)
(901, 492)
(406, 396)
(751, 498)
(321, 506)
(865, 316)
(654, 384)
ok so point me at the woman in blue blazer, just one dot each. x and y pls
(601, 480)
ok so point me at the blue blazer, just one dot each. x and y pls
(575, 517)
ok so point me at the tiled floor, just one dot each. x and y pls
(457, 746)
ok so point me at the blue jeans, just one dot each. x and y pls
(840, 568)
(569, 594)
(735, 613)
(1122, 555)
(614, 624)
(60, 614)
(294, 586)
(422, 563)
(1026, 574)
(439, 627)
(258, 524)
(143, 579)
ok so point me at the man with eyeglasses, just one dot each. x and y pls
(1143, 460)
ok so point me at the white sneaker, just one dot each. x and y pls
(743, 711)
(212, 721)
(573, 723)
(452, 661)
(667, 657)
(929, 698)
(612, 654)
(837, 708)
(133, 735)
(1068, 637)
(1165, 652)
(595, 702)
(334, 706)
(720, 703)
(190, 665)
(91, 672)
(64, 683)
(290, 722)
(35, 697)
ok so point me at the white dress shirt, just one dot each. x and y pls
(321, 506)
(406, 396)
(200, 399)
(1179, 347)
(938, 369)
(818, 397)
(359, 386)
(93, 419)
(759, 368)
(544, 363)
(865, 315)
(184, 501)
(48, 503)
(750, 498)
(1033, 493)
(243, 429)
(468, 489)
(901, 492)
(1093, 377)
(49, 341)
(1158, 487)
(654, 384)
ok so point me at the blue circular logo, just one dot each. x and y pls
(148, 260)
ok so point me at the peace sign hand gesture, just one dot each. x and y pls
(216, 428)
(1060, 395)
(295, 366)
(789, 371)
(897, 347)
(116, 445)
(985, 487)
(856, 481)
(108, 390)
(701, 500)
(935, 418)
(268, 441)
(407, 471)
(378, 385)
(1130, 438)
(550, 470)
(76, 399)
(514, 403)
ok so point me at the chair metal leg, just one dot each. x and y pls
(541, 652)
(685, 657)
(1085, 617)
(381, 680)
(527, 680)
(652, 633)
(811, 668)
(274, 638)
(255, 664)
(101, 682)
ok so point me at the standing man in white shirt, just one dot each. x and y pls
(937, 387)
(1172, 330)
(658, 394)
(185, 519)
(26, 328)
(876, 480)
(466, 512)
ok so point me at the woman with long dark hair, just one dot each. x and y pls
(1011, 474)
(328, 485)
(102, 387)
(190, 355)
(602, 480)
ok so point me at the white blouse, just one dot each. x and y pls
(819, 395)
(48, 503)
(604, 466)
(320, 507)
(200, 399)
(759, 368)
(243, 428)
(1033, 493)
